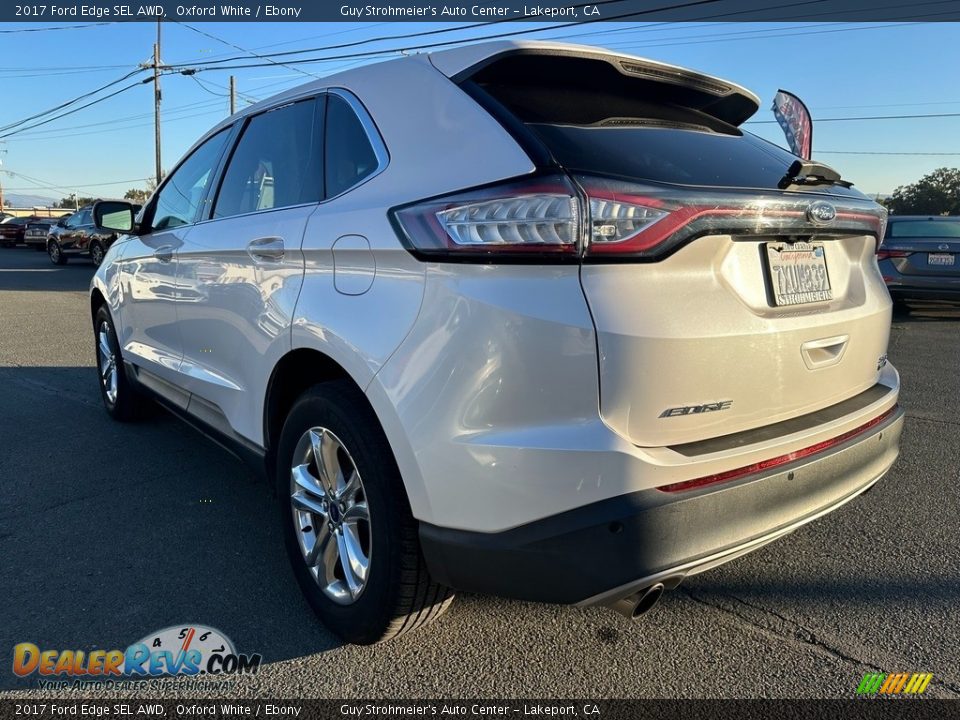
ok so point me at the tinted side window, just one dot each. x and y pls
(275, 164)
(349, 155)
(178, 203)
(84, 217)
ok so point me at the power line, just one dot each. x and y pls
(70, 188)
(55, 27)
(244, 50)
(469, 26)
(864, 117)
(70, 102)
(76, 109)
(883, 152)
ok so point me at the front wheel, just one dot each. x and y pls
(96, 254)
(120, 398)
(347, 525)
(56, 253)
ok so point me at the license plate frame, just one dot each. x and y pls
(797, 273)
(949, 259)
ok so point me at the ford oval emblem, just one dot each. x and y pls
(943, 247)
(821, 213)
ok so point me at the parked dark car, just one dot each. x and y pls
(5, 216)
(78, 237)
(13, 229)
(37, 230)
(919, 257)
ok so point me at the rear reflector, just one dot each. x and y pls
(756, 467)
(884, 254)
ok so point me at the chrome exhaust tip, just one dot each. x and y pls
(633, 606)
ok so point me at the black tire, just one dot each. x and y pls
(96, 253)
(55, 253)
(128, 404)
(398, 595)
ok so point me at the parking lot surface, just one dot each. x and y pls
(110, 531)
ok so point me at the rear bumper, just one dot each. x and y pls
(599, 553)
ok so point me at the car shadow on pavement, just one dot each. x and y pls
(926, 311)
(34, 272)
(111, 531)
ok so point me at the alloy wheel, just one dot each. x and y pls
(331, 516)
(107, 363)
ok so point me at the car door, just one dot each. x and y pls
(241, 269)
(82, 231)
(149, 336)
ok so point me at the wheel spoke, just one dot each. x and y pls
(355, 512)
(352, 562)
(320, 546)
(305, 480)
(325, 448)
(105, 346)
(350, 487)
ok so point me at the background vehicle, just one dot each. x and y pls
(920, 257)
(36, 232)
(12, 230)
(76, 236)
(5, 216)
(585, 340)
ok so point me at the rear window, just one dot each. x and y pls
(923, 229)
(667, 155)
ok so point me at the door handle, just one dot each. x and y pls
(268, 249)
(164, 253)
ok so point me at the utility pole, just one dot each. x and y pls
(156, 102)
(233, 94)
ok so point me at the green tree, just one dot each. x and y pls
(136, 195)
(935, 194)
(71, 203)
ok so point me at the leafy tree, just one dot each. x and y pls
(136, 195)
(935, 194)
(70, 203)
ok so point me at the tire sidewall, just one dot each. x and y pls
(364, 620)
(96, 249)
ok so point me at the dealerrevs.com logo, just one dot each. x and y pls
(177, 650)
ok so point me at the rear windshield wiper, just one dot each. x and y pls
(806, 172)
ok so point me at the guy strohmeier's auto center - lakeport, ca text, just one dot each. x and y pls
(268, 11)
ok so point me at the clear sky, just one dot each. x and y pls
(840, 70)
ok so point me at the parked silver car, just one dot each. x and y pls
(529, 319)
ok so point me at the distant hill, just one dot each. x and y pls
(26, 201)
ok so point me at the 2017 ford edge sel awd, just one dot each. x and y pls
(528, 319)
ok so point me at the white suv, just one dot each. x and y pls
(529, 319)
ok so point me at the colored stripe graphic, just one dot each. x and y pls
(894, 683)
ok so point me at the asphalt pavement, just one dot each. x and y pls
(111, 531)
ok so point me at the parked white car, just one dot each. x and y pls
(519, 318)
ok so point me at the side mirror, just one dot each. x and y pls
(114, 216)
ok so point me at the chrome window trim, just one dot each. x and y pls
(370, 130)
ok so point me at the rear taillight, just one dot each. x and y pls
(883, 254)
(598, 219)
(533, 217)
(655, 220)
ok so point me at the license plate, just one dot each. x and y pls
(798, 273)
(940, 258)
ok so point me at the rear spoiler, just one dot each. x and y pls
(569, 67)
